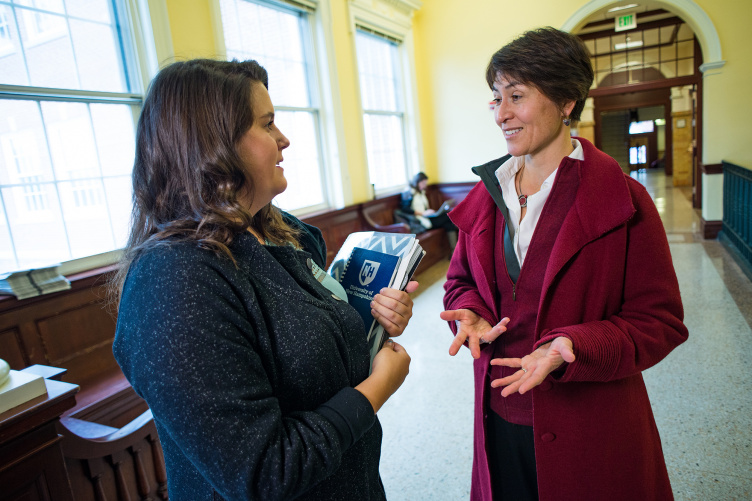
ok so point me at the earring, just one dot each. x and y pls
(567, 121)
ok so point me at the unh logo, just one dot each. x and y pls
(368, 272)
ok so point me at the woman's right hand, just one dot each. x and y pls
(390, 367)
(473, 329)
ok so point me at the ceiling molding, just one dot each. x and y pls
(391, 17)
(688, 10)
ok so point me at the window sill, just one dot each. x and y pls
(80, 281)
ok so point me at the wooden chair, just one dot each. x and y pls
(107, 463)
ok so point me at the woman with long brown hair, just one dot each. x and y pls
(255, 367)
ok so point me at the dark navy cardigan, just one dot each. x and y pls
(250, 373)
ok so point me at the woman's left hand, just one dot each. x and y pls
(534, 367)
(393, 308)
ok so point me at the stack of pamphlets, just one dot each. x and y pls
(30, 283)
(369, 261)
(18, 387)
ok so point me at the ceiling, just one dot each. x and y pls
(604, 20)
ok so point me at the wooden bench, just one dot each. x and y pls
(379, 216)
(105, 462)
(109, 438)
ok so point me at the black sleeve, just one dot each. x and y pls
(188, 346)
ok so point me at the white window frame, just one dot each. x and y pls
(325, 93)
(393, 19)
(142, 52)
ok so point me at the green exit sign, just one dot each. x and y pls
(625, 22)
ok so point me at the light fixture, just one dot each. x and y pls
(622, 7)
(660, 121)
(628, 45)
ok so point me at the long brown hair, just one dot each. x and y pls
(187, 175)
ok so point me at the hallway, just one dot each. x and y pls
(700, 392)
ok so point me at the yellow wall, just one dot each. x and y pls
(455, 39)
(727, 105)
(347, 73)
(193, 36)
(191, 28)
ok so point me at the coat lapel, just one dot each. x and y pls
(595, 211)
(478, 220)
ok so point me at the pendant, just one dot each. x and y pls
(523, 200)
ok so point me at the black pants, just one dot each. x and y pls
(511, 460)
(442, 221)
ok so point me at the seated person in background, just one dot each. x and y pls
(254, 366)
(414, 201)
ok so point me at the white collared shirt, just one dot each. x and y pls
(523, 232)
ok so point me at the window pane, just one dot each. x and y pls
(71, 140)
(96, 56)
(36, 224)
(668, 53)
(378, 68)
(603, 63)
(93, 211)
(118, 192)
(12, 65)
(377, 59)
(86, 217)
(93, 10)
(651, 56)
(301, 164)
(59, 50)
(668, 70)
(7, 256)
(64, 166)
(386, 151)
(48, 50)
(685, 67)
(277, 37)
(603, 45)
(48, 5)
(273, 37)
(650, 37)
(23, 145)
(115, 137)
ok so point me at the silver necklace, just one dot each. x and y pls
(522, 198)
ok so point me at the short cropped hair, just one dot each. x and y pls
(555, 62)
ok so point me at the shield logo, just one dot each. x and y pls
(368, 272)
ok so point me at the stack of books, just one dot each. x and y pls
(30, 283)
(369, 261)
(18, 387)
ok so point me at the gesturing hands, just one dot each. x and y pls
(534, 367)
(473, 329)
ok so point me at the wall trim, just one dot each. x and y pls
(711, 168)
(688, 10)
(710, 229)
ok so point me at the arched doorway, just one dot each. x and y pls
(674, 43)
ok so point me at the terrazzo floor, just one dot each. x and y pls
(700, 393)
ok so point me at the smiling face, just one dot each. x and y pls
(260, 149)
(531, 122)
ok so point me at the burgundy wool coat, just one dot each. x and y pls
(611, 288)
